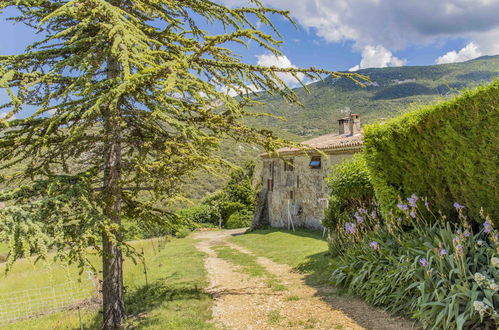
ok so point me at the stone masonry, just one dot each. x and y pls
(294, 179)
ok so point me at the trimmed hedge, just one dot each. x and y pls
(447, 152)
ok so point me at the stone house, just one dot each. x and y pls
(294, 191)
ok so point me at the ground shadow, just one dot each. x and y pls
(317, 269)
(142, 300)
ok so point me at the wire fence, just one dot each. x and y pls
(20, 305)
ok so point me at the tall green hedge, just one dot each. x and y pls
(447, 152)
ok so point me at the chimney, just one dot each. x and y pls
(349, 125)
(343, 122)
(354, 124)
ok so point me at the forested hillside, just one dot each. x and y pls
(391, 91)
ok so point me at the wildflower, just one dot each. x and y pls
(415, 197)
(442, 252)
(361, 210)
(480, 243)
(350, 227)
(423, 262)
(374, 214)
(487, 226)
(480, 307)
(403, 207)
(374, 245)
(480, 279)
(412, 201)
(413, 214)
(495, 262)
(467, 233)
(399, 219)
(493, 285)
(359, 218)
(459, 249)
(426, 204)
(458, 206)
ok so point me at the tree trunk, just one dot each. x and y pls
(112, 259)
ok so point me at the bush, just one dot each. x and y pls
(238, 196)
(201, 214)
(447, 152)
(239, 219)
(440, 274)
(351, 191)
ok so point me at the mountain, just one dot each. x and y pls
(390, 92)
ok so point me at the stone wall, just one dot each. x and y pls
(303, 189)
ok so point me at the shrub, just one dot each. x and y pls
(351, 191)
(206, 214)
(446, 152)
(440, 274)
(239, 219)
(239, 195)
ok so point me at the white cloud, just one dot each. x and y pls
(377, 57)
(4, 114)
(281, 61)
(469, 52)
(232, 92)
(396, 24)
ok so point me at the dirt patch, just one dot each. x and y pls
(246, 302)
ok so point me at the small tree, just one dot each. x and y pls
(127, 97)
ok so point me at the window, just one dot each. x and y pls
(289, 165)
(270, 184)
(315, 162)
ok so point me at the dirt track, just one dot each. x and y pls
(244, 302)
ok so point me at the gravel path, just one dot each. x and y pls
(244, 302)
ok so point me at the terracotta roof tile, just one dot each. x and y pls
(328, 142)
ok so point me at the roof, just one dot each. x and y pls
(329, 143)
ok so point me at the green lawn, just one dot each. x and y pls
(173, 298)
(304, 250)
(3, 248)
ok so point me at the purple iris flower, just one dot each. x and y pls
(442, 252)
(399, 219)
(467, 233)
(350, 227)
(415, 197)
(361, 210)
(487, 226)
(413, 214)
(374, 245)
(403, 207)
(426, 204)
(458, 206)
(459, 249)
(412, 201)
(423, 262)
(359, 218)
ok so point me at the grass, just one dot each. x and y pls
(249, 265)
(173, 298)
(304, 250)
(274, 317)
(3, 252)
(3, 248)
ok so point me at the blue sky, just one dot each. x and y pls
(349, 35)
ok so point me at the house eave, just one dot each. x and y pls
(310, 151)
